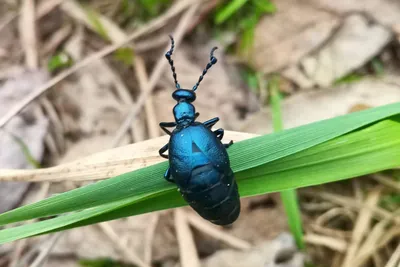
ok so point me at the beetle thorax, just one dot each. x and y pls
(184, 113)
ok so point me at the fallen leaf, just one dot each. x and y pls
(310, 106)
(28, 129)
(294, 31)
(280, 252)
(354, 44)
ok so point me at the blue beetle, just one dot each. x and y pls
(198, 161)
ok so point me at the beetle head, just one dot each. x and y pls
(184, 95)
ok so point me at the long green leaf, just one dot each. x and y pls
(373, 148)
(244, 155)
(289, 197)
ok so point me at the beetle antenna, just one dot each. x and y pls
(171, 62)
(213, 60)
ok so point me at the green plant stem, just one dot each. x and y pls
(289, 197)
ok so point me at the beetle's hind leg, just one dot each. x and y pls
(228, 144)
(220, 134)
(211, 122)
(167, 176)
(163, 126)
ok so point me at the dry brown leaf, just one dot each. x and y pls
(280, 252)
(29, 130)
(91, 242)
(383, 11)
(310, 106)
(353, 44)
(329, 40)
(295, 30)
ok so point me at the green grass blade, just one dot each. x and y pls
(289, 197)
(26, 151)
(229, 10)
(265, 6)
(244, 155)
(373, 148)
(94, 20)
(275, 100)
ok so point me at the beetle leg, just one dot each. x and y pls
(228, 144)
(210, 123)
(163, 150)
(163, 126)
(167, 176)
(220, 134)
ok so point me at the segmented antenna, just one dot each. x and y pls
(171, 62)
(213, 60)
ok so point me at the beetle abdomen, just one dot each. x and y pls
(213, 195)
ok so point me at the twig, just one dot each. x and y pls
(58, 127)
(155, 24)
(46, 250)
(113, 236)
(149, 236)
(27, 29)
(370, 244)
(46, 7)
(387, 182)
(355, 205)
(141, 75)
(158, 69)
(115, 34)
(7, 20)
(56, 39)
(361, 226)
(327, 216)
(151, 43)
(16, 261)
(187, 248)
(394, 259)
(17, 252)
(105, 164)
(336, 244)
(217, 234)
(75, 10)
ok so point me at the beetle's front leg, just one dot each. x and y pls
(220, 134)
(210, 123)
(167, 174)
(163, 126)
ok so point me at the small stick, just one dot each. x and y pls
(336, 244)
(361, 227)
(44, 253)
(154, 25)
(149, 236)
(187, 248)
(394, 259)
(158, 69)
(141, 74)
(217, 234)
(113, 236)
